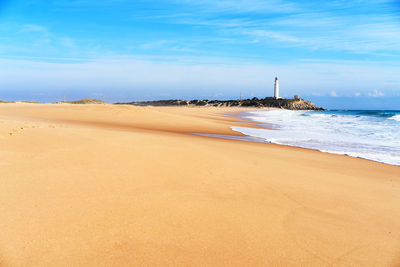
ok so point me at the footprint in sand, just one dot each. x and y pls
(16, 130)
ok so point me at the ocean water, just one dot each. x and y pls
(368, 134)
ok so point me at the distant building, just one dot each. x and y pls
(296, 97)
(276, 89)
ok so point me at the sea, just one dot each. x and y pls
(368, 134)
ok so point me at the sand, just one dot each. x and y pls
(104, 185)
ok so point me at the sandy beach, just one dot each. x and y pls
(106, 185)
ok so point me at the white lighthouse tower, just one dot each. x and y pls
(276, 89)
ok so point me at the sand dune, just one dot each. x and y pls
(104, 185)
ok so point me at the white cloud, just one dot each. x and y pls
(255, 6)
(333, 94)
(33, 28)
(276, 35)
(156, 44)
(194, 75)
(67, 42)
(42, 39)
(303, 24)
(376, 93)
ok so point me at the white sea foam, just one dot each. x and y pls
(366, 134)
(395, 117)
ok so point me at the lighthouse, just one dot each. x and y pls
(276, 89)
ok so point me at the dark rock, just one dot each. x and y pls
(293, 104)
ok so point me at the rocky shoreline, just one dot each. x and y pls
(291, 104)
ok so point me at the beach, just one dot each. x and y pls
(118, 185)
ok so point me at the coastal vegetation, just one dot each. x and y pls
(84, 101)
(29, 102)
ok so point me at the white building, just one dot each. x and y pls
(276, 89)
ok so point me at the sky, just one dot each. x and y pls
(339, 54)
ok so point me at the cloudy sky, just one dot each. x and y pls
(340, 54)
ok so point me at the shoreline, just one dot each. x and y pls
(118, 185)
(261, 140)
(230, 115)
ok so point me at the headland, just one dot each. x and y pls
(268, 102)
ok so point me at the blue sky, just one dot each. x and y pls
(339, 54)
